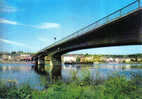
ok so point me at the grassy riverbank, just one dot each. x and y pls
(117, 87)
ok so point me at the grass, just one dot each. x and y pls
(115, 87)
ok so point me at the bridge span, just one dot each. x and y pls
(122, 27)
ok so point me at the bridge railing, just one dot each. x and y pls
(130, 8)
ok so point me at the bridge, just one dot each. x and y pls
(122, 27)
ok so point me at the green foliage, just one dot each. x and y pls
(10, 91)
(115, 87)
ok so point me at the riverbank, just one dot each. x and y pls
(116, 87)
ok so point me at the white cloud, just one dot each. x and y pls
(4, 21)
(41, 26)
(8, 9)
(14, 43)
(47, 25)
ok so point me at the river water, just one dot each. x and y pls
(23, 73)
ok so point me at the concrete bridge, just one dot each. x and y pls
(123, 27)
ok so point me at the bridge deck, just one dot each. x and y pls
(116, 16)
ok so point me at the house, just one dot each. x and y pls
(69, 59)
(6, 57)
(25, 57)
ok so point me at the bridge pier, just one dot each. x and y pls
(41, 64)
(36, 63)
(56, 67)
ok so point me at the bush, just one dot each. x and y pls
(116, 87)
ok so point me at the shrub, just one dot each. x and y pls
(115, 87)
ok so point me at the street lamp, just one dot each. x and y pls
(55, 38)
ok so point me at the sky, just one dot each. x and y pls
(30, 25)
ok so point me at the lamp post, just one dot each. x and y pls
(55, 38)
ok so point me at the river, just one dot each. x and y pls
(23, 73)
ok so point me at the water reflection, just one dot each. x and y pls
(23, 73)
(99, 71)
(15, 68)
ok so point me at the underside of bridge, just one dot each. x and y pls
(126, 30)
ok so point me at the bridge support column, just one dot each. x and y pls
(56, 66)
(41, 64)
(36, 63)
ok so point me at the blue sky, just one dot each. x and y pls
(31, 25)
